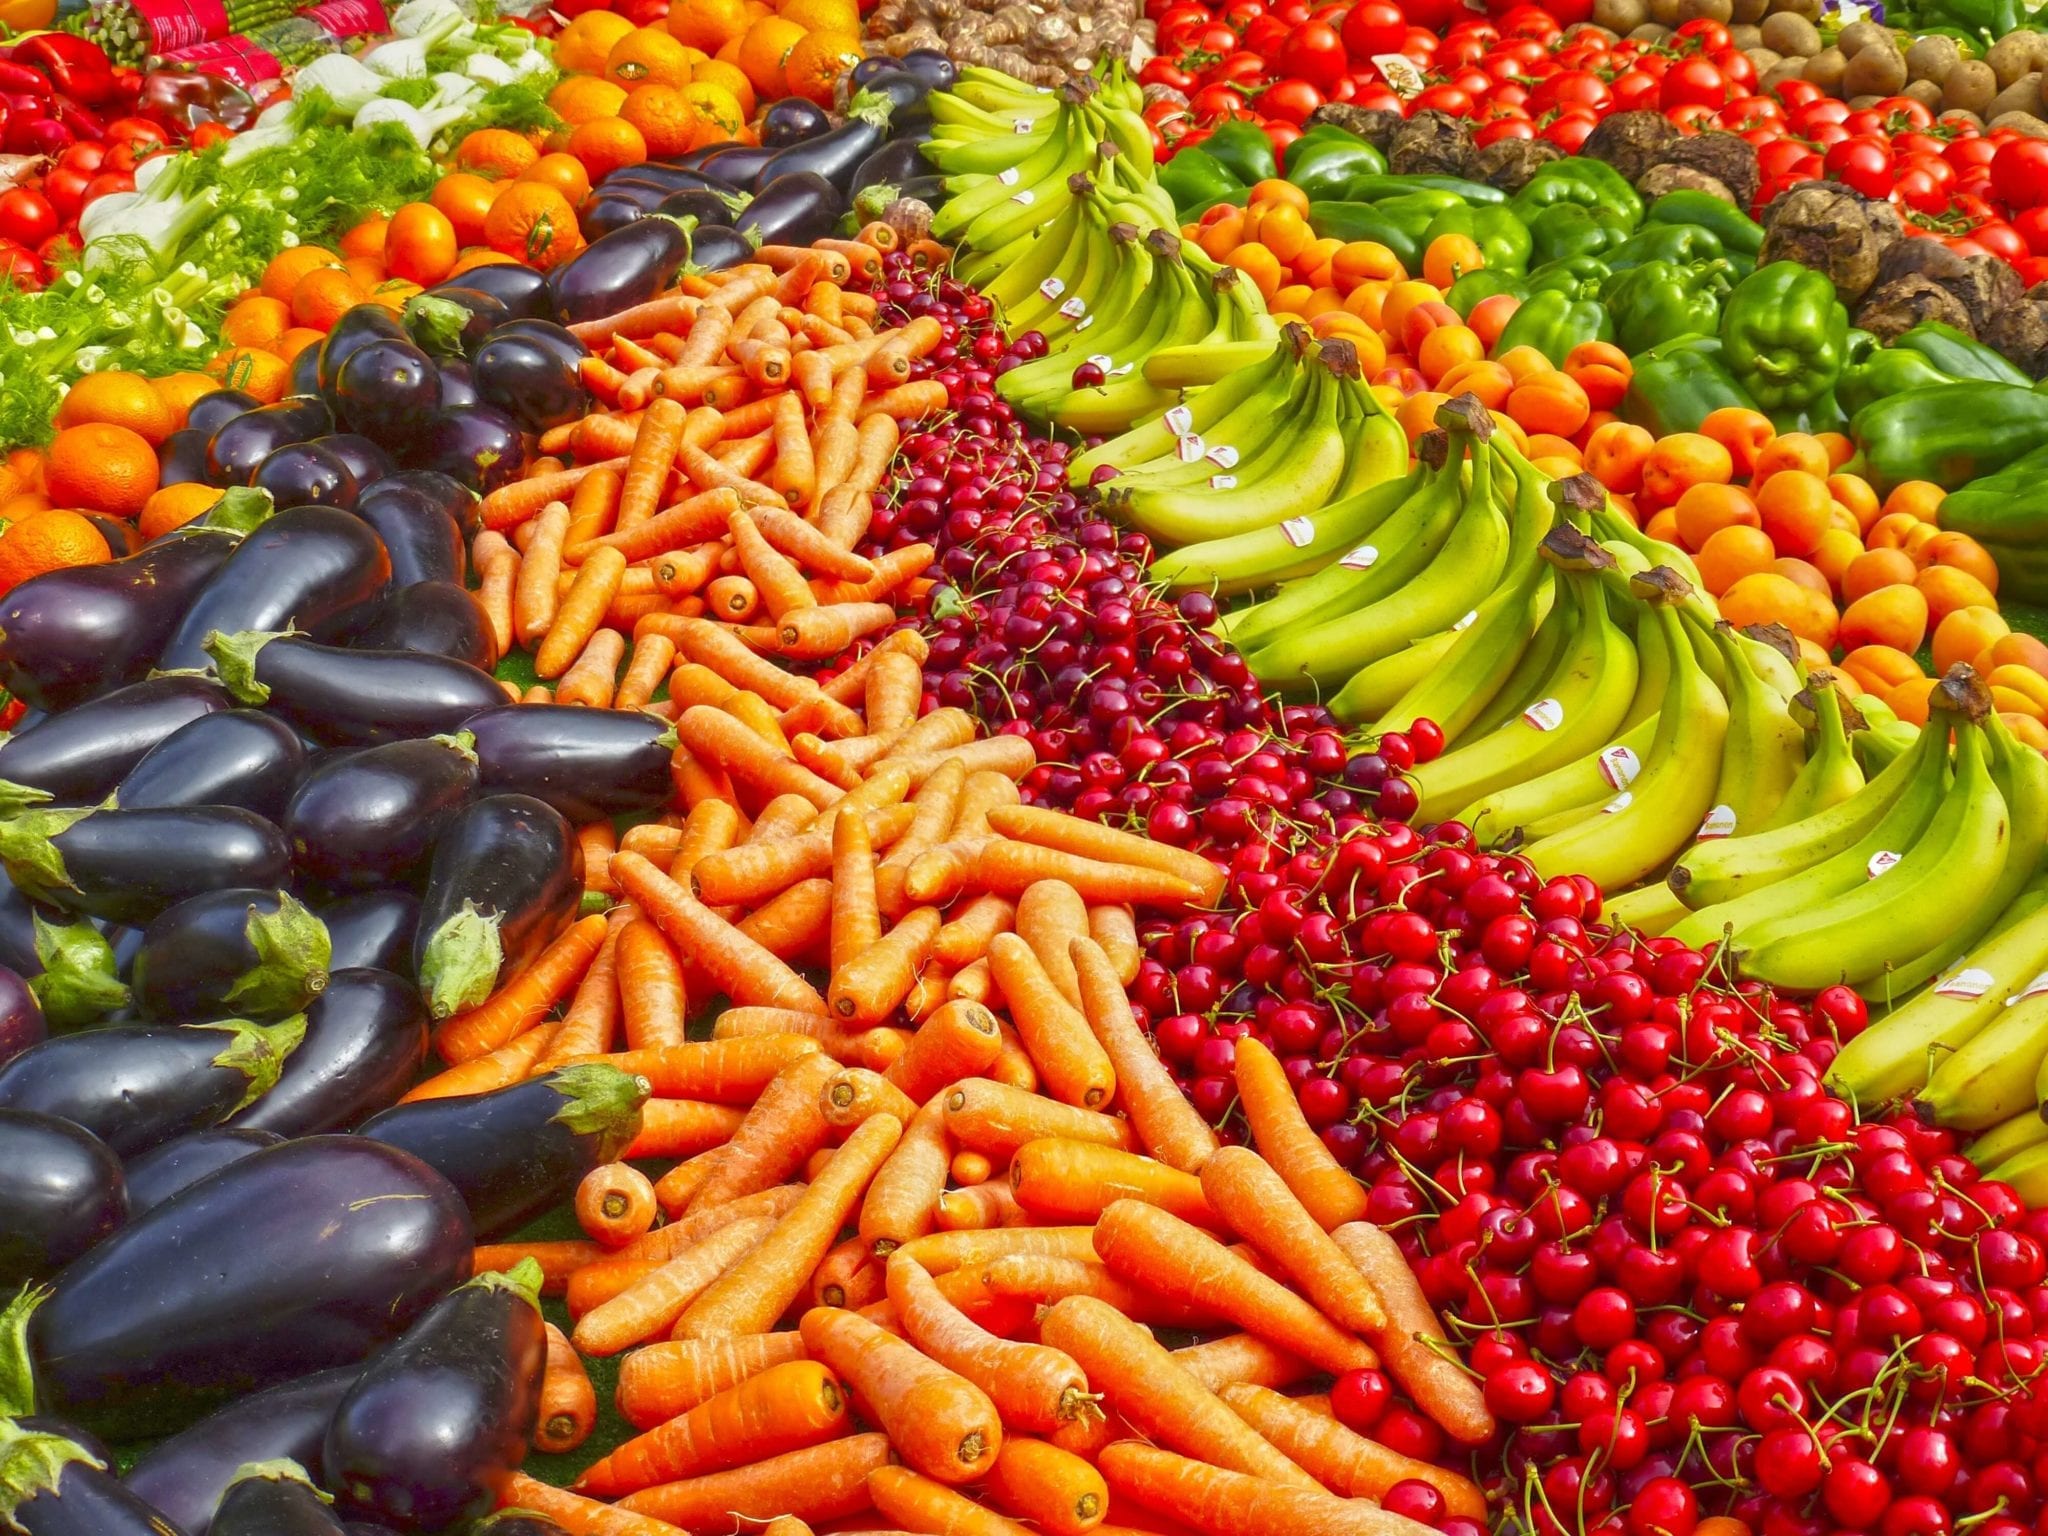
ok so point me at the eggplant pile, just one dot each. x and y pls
(812, 177)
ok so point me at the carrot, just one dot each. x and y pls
(856, 916)
(929, 994)
(795, 472)
(603, 437)
(817, 634)
(533, 595)
(597, 1283)
(892, 571)
(1220, 1502)
(671, 312)
(497, 568)
(1074, 1065)
(979, 1205)
(760, 717)
(593, 1014)
(580, 1516)
(754, 1293)
(595, 506)
(1050, 916)
(846, 511)
(683, 1233)
(1346, 1463)
(787, 1525)
(733, 599)
(887, 785)
(943, 1252)
(848, 1269)
(1167, 1125)
(996, 1119)
(850, 685)
(958, 1041)
(705, 341)
(645, 1309)
(524, 1001)
(715, 647)
(1414, 1341)
(971, 1168)
(1009, 868)
(1259, 1206)
(1033, 1387)
(906, 402)
(918, 1504)
(802, 542)
(782, 1129)
(781, 585)
(936, 803)
(682, 1128)
(966, 935)
(1094, 841)
(899, 1202)
(1238, 1358)
(593, 678)
(875, 1049)
(723, 1071)
(663, 1380)
(598, 841)
(835, 443)
(1285, 1139)
(689, 522)
(510, 505)
(557, 1260)
(720, 741)
(1053, 1489)
(869, 986)
(823, 1482)
(760, 869)
(568, 1403)
(1061, 1180)
(746, 971)
(508, 1064)
(580, 613)
(708, 828)
(1157, 1249)
(793, 924)
(615, 1204)
(1010, 756)
(1115, 928)
(854, 1094)
(1044, 1279)
(650, 988)
(939, 1421)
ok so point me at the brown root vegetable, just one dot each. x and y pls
(1748, 39)
(1373, 124)
(1904, 302)
(2027, 123)
(1727, 157)
(1876, 69)
(1931, 58)
(1825, 69)
(2023, 95)
(2020, 331)
(1660, 179)
(1747, 13)
(1665, 12)
(1631, 142)
(1792, 36)
(1431, 144)
(1926, 92)
(1859, 35)
(1620, 16)
(1706, 10)
(2015, 54)
(1827, 226)
(1509, 163)
(1650, 32)
(1983, 285)
(1969, 87)
(1768, 80)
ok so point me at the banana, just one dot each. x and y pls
(1387, 681)
(1190, 367)
(1137, 298)
(1061, 153)
(1651, 909)
(1260, 389)
(1255, 439)
(1037, 308)
(1560, 797)
(2026, 1172)
(1994, 1074)
(2008, 1139)
(1895, 1055)
(1831, 774)
(1045, 259)
(1765, 747)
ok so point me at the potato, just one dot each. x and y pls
(1859, 103)
(1969, 87)
(1859, 35)
(1650, 32)
(1825, 70)
(1810, 9)
(1769, 80)
(1664, 12)
(1793, 36)
(1761, 58)
(1931, 58)
(2022, 122)
(1749, 12)
(1747, 38)
(2013, 55)
(1620, 16)
(1877, 69)
(2023, 95)
(1926, 92)
(1706, 10)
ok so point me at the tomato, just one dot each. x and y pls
(1245, 69)
(2019, 173)
(1694, 82)
(1239, 13)
(1180, 24)
(1537, 21)
(123, 130)
(1736, 68)
(1508, 95)
(1434, 15)
(2032, 271)
(1828, 134)
(206, 135)
(1373, 96)
(1863, 164)
(87, 157)
(66, 189)
(1918, 190)
(1291, 100)
(1865, 122)
(1314, 52)
(1965, 247)
(1692, 117)
(1799, 93)
(1265, 34)
(27, 217)
(1572, 86)
(1821, 110)
(1633, 91)
(1972, 205)
(1456, 52)
(19, 265)
(1905, 107)
(1708, 35)
(1443, 98)
(1164, 72)
(2001, 240)
(1746, 112)
(1374, 26)
(1570, 132)
(1504, 128)
(58, 247)
(1217, 101)
(1911, 143)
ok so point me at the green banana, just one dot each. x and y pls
(1248, 397)
(1994, 1074)
(1651, 909)
(1190, 367)
(2027, 1173)
(1579, 787)
(2007, 1139)
(1765, 747)
(1831, 773)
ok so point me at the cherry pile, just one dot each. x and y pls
(1695, 1285)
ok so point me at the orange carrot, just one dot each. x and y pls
(1009, 868)
(615, 1204)
(918, 1504)
(580, 1516)
(1050, 916)
(755, 1292)
(1045, 1279)
(650, 987)
(733, 599)
(996, 1119)
(893, 571)
(581, 612)
(688, 523)
(533, 595)
(943, 1252)
(1285, 1139)
(899, 1202)
(594, 508)
(795, 473)
(1157, 1249)
(846, 511)
(1239, 1358)
(714, 646)
(557, 1260)
(593, 1014)
(671, 312)
(848, 1270)
(1246, 1192)
(760, 869)
(906, 402)
(972, 1168)
(939, 1421)
(1078, 1180)
(718, 739)
(824, 1482)
(786, 1408)
(794, 924)
(1347, 1464)
(593, 678)
(781, 585)
(936, 804)
(855, 1093)
(1053, 1489)
(598, 841)
(929, 994)
(525, 1000)
(497, 569)
(1220, 1502)
(644, 1310)
(958, 1041)
(817, 634)
(965, 937)
(1033, 1387)
(856, 915)
(1073, 1064)
(510, 505)
(685, 1232)
(650, 664)
(746, 971)
(1418, 1353)
(1166, 1123)
(681, 1128)
(801, 542)
(1107, 845)
(568, 1403)
(1161, 1400)
(663, 1380)
(1115, 928)
(875, 1049)
(787, 1525)
(782, 1129)
(978, 1206)
(722, 1071)
(870, 985)
(508, 1064)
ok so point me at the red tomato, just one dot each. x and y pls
(1579, 86)
(1570, 132)
(1246, 69)
(1914, 112)
(1798, 93)
(1164, 72)
(123, 129)
(1265, 34)
(1509, 95)
(1965, 247)
(1279, 135)
(1314, 52)
(108, 181)
(1822, 110)
(27, 217)
(1692, 117)
(1746, 112)
(1456, 52)
(1694, 82)
(2019, 173)
(65, 187)
(1504, 128)
(1240, 13)
(19, 265)
(1736, 68)
(1217, 101)
(1918, 190)
(1826, 135)
(1374, 26)
(1634, 91)
(85, 157)
(1291, 100)
(1373, 96)
(1863, 164)
(1538, 21)
(1215, 38)
(2001, 240)
(1707, 35)
(1443, 98)
(1865, 121)
(2032, 271)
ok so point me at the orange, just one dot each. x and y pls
(367, 237)
(1895, 616)
(1731, 553)
(103, 468)
(665, 118)
(706, 24)
(49, 541)
(764, 53)
(822, 15)
(422, 244)
(252, 370)
(732, 78)
(323, 296)
(495, 153)
(256, 321)
(296, 340)
(368, 273)
(121, 400)
(607, 144)
(718, 111)
(481, 256)
(533, 223)
(563, 172)
(580, 99)
(288, 266)
(466, 199)
(581, 47)
(646, 56)
(180, 390)
(176, 505)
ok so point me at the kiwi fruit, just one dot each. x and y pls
(1877, 69)
(1969, 86)
(1793, 36)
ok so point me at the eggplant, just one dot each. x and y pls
(238, 757)
(534, 383)
(180, 1163)
(454, 322)
(675, 175)
(360, 326)
(365, 460)
(896, 162)
(518, 287)
(351, 697)
(77, 973)
(64, 1191)
(52, 1486)
(181, 457)
(458, 387)
(506, 877)
(313, 569)
(792, 120)
(371, 930)
(588, 764)
(929, 190)
(833, 154)
(440, 1420)
(518, 1522)
(128, 866)
(135, 1086)
(608, 212)
(478, 446)
(186, 1475)
(275, 1498)
(69, 634)
(422, 540)
(711, 210)
(434, 618)
(237, 449)
(211, 412)
(902, 93)
(366, 1039)
(557, 339)
(304, 1256)
(256, 954)
(935, 69)
(18, 917)
(738, 164)
(797, 208)
(21, 1016)
(627, 267)
(371, 817)
(445, 492)
(367, 1528)
(50, 1424)
(80, 754)
(307, 475)
(305, 374)
(713, 248)
(517, 1151)
(386, 390)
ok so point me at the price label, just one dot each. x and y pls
(1022, 124)
(1223, 456)
(1619, 766)
(1618, 804)
(2033, 988)
(1465, 623)
(1008, 178)
(1544, 715)
(1223, 482)
(1052, 287)
(1024, 197)
(1881, 861)
(1179, 420)
(1075, 307)
(1102, 360)
(1360, 559)
(1720, 822)
(1296, 530)
(1967, 984)
(1400, 73)
(1190, 448)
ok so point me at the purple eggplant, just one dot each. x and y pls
(181, 457)
(478, 446)
(422, 540)
(371, 818)
(77, 974)
(135, 1086)
(454, 322)
(450, 495)
(673, 175)
(519, 288)
(305, 374)
(239, 757)
(253, 953)
(796, 208)
(790, 121)
(627, 267)
(534, 383)
(506, 877)
(186, 1475)
(313, 569)
(367, 461)
(366, 1039)
(178, 1164)
(608, 212)
(372, 930)
(937, 71)
(21, 1016)
(211, 412)
(275, 1498)
(440, 1419)
(302, 1257)
(711, 210)
(351, 697)
(737, 164)
(234, 453)
(69, 634)
(80, 754)
(834, 154)
(385, 391)
(358, 328)
(52, 1486)
(18, 917)
(587, 763)
(307, 475)
(64, 1191)
(714, 248)
(366, 1528)
(516, 1152)
(896, 162)
(434, 618)
(458, 387)
(517, 1522)
(128, 866)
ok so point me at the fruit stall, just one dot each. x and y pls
(1170, 768)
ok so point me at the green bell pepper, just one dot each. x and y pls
(1373, 189)
(1242, 149)
(1568, 229)
(2008, 514)
(1323, 161)
(1503, 239)
(1553, 323)
(1197, 181)
(1679, 244)
(1589, 183)
(1577, 277)
(1660, 301)
(1784, 335)
(1724, 221)
(1398, 223)
(1949, 433)
(1469, 291)
(1680, 384)
(1887, 371)
(1957, 355)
